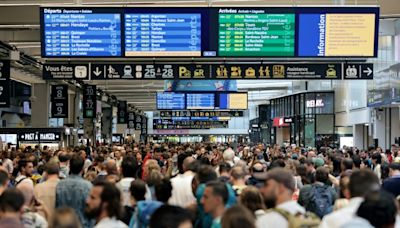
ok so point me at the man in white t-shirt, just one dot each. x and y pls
(182, 194)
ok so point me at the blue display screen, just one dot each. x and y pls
(80, 33)
(223, 101)
(170, 101)
(163, 34)
(200, 101)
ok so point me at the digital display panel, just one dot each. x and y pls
(163, 34)
(248, 34)
(335, 34)
(228, 101)
(80, 32)
(200, 101)
(170, 101)
(306, 32)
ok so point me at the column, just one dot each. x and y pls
(40, 105)
(358, 136)
(106, 123)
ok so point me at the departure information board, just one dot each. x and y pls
(81, 32)
(162, 35)
(170, 101)
(247, 34)
(155, 32)
(334, 34)
(228, 101)
(200, 101)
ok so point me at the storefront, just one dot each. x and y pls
(305, 119)
(25, 137)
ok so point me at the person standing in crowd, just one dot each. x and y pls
(277, 192)
(214, 200)
(46, 191)
(318, 197)
(73, 191)
(4, 180)
(392, 184)
(182, 194)
(11, 203)
(237, 217)
(361, 183)
(104, 205)
(376, 159)
(128, 171)
(25, 169)
(378, 210)
(63, 158)
(252, 199)
(237, 179)
(168, 216)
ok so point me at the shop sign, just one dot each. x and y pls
(318, 103)
(36, 136)
(287, 120)
(279, 122)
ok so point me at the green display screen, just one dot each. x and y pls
(256, 35)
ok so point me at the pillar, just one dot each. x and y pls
(40, 105)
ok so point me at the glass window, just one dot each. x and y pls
(309, 132)
(302, 104)
(325, 124)
(310, 103)
(324, 103)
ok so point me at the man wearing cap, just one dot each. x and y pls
(277, 192)
(392, 184)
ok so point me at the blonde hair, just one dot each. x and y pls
(152, 172)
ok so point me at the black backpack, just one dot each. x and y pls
(321, 200)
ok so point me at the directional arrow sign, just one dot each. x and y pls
(97, 72)
(358, 71)
(368, 71)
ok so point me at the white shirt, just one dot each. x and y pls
(110, 223)
(274, 219)
(123, 186)
(338, 218)
(182, 194)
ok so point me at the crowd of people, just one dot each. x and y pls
(199, 185)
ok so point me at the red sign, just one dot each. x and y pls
(279, 122)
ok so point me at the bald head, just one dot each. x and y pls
(186, 163)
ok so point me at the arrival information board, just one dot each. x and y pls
(256, 34)
(162, 35)
(81, 32)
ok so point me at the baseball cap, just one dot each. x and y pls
(280, 175)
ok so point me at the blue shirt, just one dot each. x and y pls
(73, 192)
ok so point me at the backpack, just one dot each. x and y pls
(308, 220)
(144, 211)
(321, 200)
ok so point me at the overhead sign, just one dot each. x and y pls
(138, 122)
(80, 32)
(364, 71)
(42, 136)
(308, 32)
(215, 71)
(169, 114)
(277, 71)
(122, 112)
(52, 71)
(318, 103)
(149, 71)
(59, 101)
(170, 101)
(4, 84)
(131, 120)
(89, 101)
